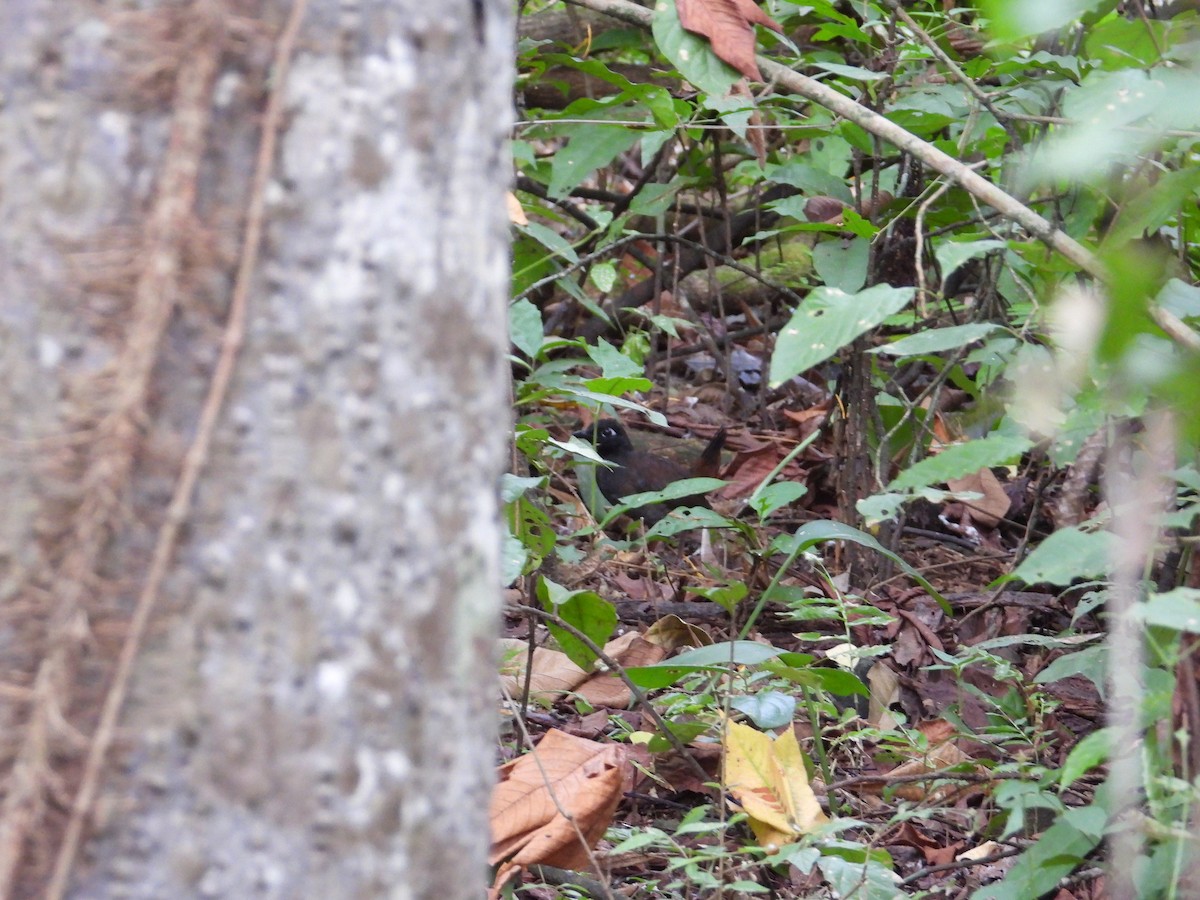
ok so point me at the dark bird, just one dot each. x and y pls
(636, 472)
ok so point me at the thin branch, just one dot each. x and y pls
(616, 668)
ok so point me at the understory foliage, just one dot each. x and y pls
(951, 552)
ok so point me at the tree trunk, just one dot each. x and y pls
(300, 648)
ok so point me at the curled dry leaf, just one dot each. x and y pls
(824, 209)
(563, 776)
(729, 27)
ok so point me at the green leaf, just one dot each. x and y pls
(1091, 663)
(525, 327)
(1180, 298)
(935, 340)
(1153, 207)
(584, 610)
(513, 486)
(768, 709)
(842, 263)
(689, 54)
(727, 596)
(737, 653)
(1178, 610)
(689, 519)
(604, 276)
(513, 558)
(827, 321)
(840, 682)
(1060, 849)
(612, 361)
(714, 657)
(880, 507)
(594, 398)
(823, 530)
(853, 73)
(952, 255)
(962, 459)
(551, 240)
(809, 179)
(1014, 19)
(861, 880)
(1066, 555)
(588, 148)
(685, 487)
(1091, 751)
(615, 387)
(776, 496)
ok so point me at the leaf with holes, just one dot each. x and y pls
(827, 321)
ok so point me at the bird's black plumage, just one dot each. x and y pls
(635, 471)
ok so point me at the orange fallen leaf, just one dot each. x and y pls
(553, 804)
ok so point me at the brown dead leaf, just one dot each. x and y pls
(748, 469)
(671, 633)
(993, 506)
(884, 684)
(608, 690)
(553, 673)
(562, 775)
(825, 209)
(729, 27)
(933, 851)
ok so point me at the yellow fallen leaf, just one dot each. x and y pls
(767, 777)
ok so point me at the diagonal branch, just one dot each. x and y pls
(954, 170)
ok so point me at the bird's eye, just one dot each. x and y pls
(608, 433)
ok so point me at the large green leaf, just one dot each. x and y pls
(827, 321)
(1013, 19)
(819, 532)
(525, 327)
(714, 656)
(951, 255)
(1067, 555)
(842, 263)
(1056, 854)
(589, 147)
(585, 611)
(935, 340)
(962, 459)
(1178, 610)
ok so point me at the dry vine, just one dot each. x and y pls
(193, 464)
(117, 414)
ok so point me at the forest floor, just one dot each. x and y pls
(941, 775)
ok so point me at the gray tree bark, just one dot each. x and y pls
(309, 711)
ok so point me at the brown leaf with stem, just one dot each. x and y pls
(729, 27)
